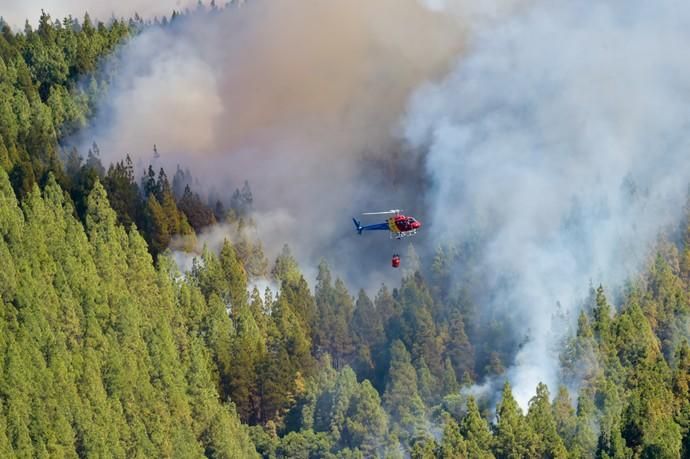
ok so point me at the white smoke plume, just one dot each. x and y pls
(562, 136)
(300, 98)
(213, 237)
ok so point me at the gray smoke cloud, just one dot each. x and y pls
(303, 99)
(16, 12)
(562, 137)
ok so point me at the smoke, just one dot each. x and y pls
(213, 237)
(303, 99)
(562, 137)
(16, 12)
(185, 249)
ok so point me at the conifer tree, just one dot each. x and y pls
(285, 267)
(514, 437)
(298, 295)
(235, 276)
(602, 318)
(585, 438)
(610, 442)
(366, 423)
(458, 348)
(369, 335)
(335, 308)
(248, 349)
(540, 418)
(401, 398)
(157, 227)
(475, 431)
(343, 392)
(123, 192)
(196, 212)
(681, 392)
(580, 357)
(449, 381)
(564, 416)
(426, 383)
(453, 445)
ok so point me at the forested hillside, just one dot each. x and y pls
(107, 350)
(49, 89)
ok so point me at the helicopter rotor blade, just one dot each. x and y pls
(392, 211)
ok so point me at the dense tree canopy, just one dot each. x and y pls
(107, 350)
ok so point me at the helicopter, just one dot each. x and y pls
(398, 227)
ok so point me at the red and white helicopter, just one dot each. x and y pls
(398, 226)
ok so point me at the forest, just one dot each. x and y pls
(107, 350)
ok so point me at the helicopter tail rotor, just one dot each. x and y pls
(358, 225)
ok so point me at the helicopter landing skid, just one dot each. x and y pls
(403, 234)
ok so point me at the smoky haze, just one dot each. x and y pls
(300, 98)
(562, 137)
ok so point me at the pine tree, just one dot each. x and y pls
(540, 418)
(647, 423)
(334, 314)
(602, 318)
(366, 423)
(196, 212)
(299, 297)
(250, 251)
(424, 448)
(388, 309)
(564, 416)
(401, 398)
(458, 348)
(149, 184)
(514, 436)
(235, 276)
(610, 442)
(157, 227)
(418, 328)
(585, 438)
(449, 381)
(123, 192)
(579, 359)
(681, 392)
(342, 346)
(285, 267)
(247, 350)
(453, 445)
(475, 431)
(343, 392)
